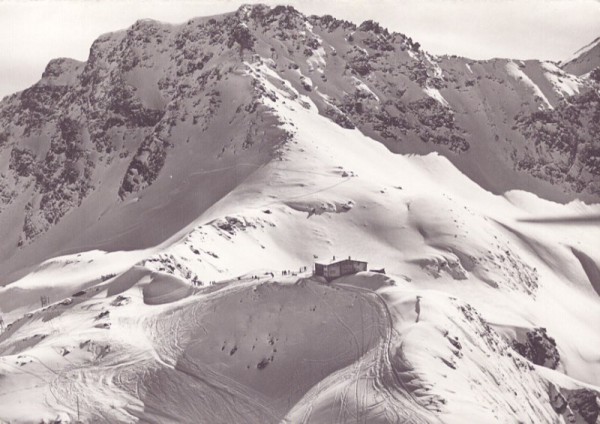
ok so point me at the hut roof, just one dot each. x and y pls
(336, 261)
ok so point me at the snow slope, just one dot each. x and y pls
(206, 328)
(584, 60)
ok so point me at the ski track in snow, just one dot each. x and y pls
(384, 367)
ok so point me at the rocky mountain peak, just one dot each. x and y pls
(150, 93)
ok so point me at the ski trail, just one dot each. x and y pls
(373, 370)
(385, 368)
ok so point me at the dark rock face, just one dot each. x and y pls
(86, 116)
(585, 403)
(557, 399)
(242, 36)
(567, 142)
(438, 125)
(577, 406)
(539, 348)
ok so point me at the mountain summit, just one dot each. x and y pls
(154, 102)
(163, 203)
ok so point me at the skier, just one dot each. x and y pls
(418, 308)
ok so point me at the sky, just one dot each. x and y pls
(34, 31)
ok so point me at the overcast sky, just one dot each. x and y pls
(33, 32)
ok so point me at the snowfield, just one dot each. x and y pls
(205, 327)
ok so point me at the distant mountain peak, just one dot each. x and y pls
(584, 60)
(583, 50)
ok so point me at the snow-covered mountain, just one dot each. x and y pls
(584, 60)
(110, 139)
(156, 192)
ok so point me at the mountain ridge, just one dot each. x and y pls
(123, 111)
(584, 60)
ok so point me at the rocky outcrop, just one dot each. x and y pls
(539, 348)
(576, 405)
(566, 143)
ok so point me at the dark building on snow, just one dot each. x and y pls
(337, 268)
